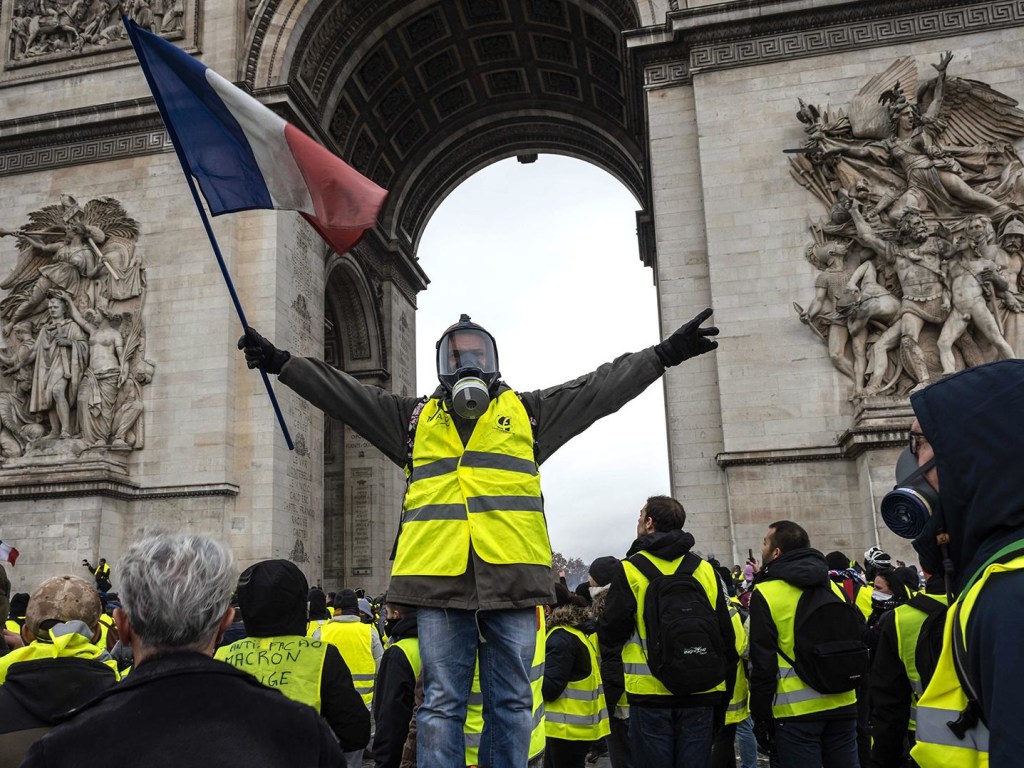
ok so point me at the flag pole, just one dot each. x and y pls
(206, 221)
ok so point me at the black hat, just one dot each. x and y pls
(272, 596)
(347, 600)
(602, 570)
(837, 561)
(19, 602)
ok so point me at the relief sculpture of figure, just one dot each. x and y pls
(101, 381)
(18, 425)
(974, 280)
(902, 170)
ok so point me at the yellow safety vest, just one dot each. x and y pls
(474, 727)
(793, 697)
(580, 712)
(353, 641)
(106, 622)
(863, 601)
(944, 699)
(67, 641)
(292, 664)
(909, 620)
(639, 679)
(13, 626)
(486, 493)
(739, 705)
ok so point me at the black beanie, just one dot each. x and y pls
(837, 561)
(19, 603)
(602, 570)
(272, 596)
(347, 601)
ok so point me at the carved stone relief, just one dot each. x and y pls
(73, 364)
(921, 249)
(47, 29)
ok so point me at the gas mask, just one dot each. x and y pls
(467, 367)
(908, 507)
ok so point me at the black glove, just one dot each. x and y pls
(689, 341)
(260, 353)
(764, 732)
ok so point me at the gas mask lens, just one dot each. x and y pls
(466, 349)
(907, 507)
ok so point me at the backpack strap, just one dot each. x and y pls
(651, 572)
(926, 604)
(410, 433)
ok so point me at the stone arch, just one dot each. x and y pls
(352, 318)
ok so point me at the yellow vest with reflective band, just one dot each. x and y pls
(353, 641)
(793, 697)
(67, 641)
(486, 493)
(410, 646)
(292, 664)
(639, 680)
(739, 706)
(474, 727)
(944, 698)
(580, 712)
(909, 621)
(106, 622)
(863, 601)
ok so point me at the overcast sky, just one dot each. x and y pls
(545, 257)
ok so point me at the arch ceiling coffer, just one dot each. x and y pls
(418, 95)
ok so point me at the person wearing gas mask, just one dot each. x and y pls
(472, 551)
(958, 496)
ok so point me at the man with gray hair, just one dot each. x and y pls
(179, 706)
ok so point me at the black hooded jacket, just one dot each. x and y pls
(974, 421)
(802, 568)
(393, 698)
(618, 622)
(38, 694)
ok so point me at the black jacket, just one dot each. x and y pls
(38, 694)
(566, 658)
(801, 568)
(974, 421)
(618, 622)
(393, 699)
(186, 709)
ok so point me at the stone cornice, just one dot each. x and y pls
(29, 486)
(724, 37)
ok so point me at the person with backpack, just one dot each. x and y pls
(909, 643)
(958, 497)
(667, 611)
(806, 655)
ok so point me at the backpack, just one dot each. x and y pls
(684, 647)
(929, 642)
(830, 653)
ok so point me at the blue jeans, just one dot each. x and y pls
(746, 744)
(828, 743)
(449, 641)
(670, 738)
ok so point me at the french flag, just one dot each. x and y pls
(244, 156)
(8, 553)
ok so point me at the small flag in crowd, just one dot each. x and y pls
(8, 553)
(244, 156)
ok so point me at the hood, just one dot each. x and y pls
(569, 616)
(667, 546)
(406, 627)
(975, 422)
(801, 568)
(49, 689)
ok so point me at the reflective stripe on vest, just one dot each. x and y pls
(639, 679)
(793, 696)
(292, 664)
(909, 620)
(474, 726)
(579, 713)
(738, 709)
(944, 699)
(486, 493)
(355, 644)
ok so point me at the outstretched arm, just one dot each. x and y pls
(940, 86)
(865, 233)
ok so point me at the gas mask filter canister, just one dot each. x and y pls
(909, 505)
(470, 397)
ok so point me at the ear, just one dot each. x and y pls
(26, 636)
(124, 627)
(225, 622)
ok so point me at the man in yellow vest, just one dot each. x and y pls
(101, 573)
(600, 576)
(473, 551)
(808, 727)
(395, 691)
(670, 724)
(272, 595)
(357, 641)
(958, 497)
(62, 623)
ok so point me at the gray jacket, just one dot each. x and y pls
(560, 413)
